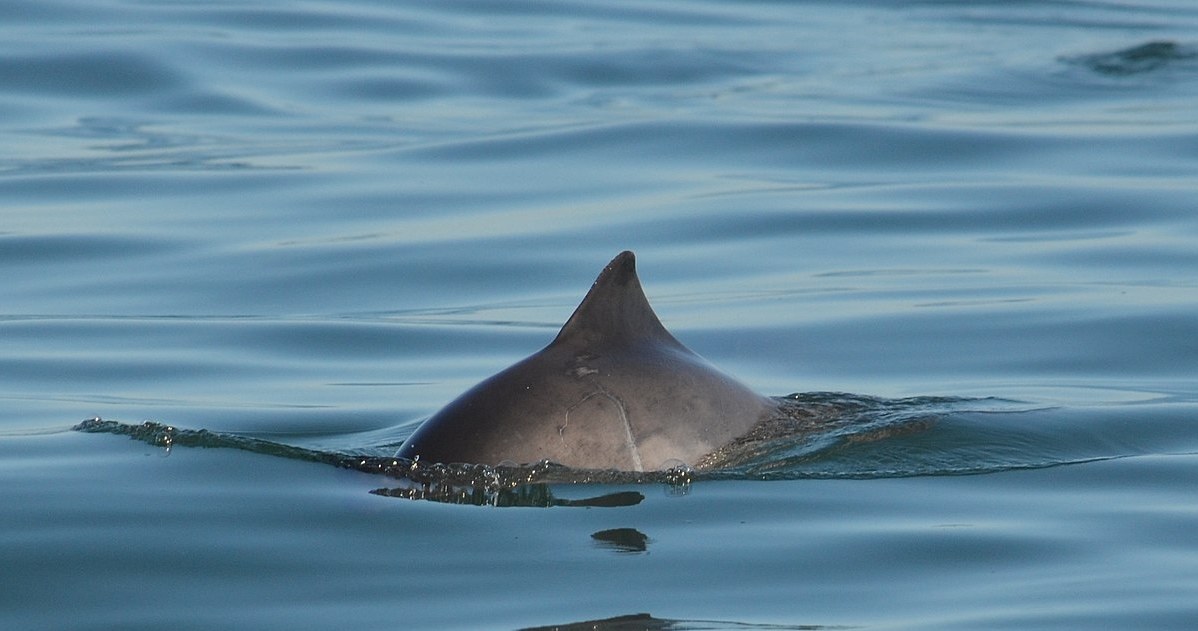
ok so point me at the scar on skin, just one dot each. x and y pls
(629, 441)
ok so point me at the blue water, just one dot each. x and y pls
(313, 224)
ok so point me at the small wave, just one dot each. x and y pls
(816, 427)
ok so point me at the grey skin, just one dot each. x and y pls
(614, 390)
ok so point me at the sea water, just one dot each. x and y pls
(312, 224)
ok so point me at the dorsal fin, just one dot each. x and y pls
(615, 310)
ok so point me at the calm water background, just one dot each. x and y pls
(318, 222)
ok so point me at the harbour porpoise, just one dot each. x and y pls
(613, 390)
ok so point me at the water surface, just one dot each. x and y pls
(315, 224)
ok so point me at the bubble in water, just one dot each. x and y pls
(678, 477)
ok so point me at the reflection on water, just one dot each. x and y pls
(647, 622)
(531, 495)
(622, 540)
